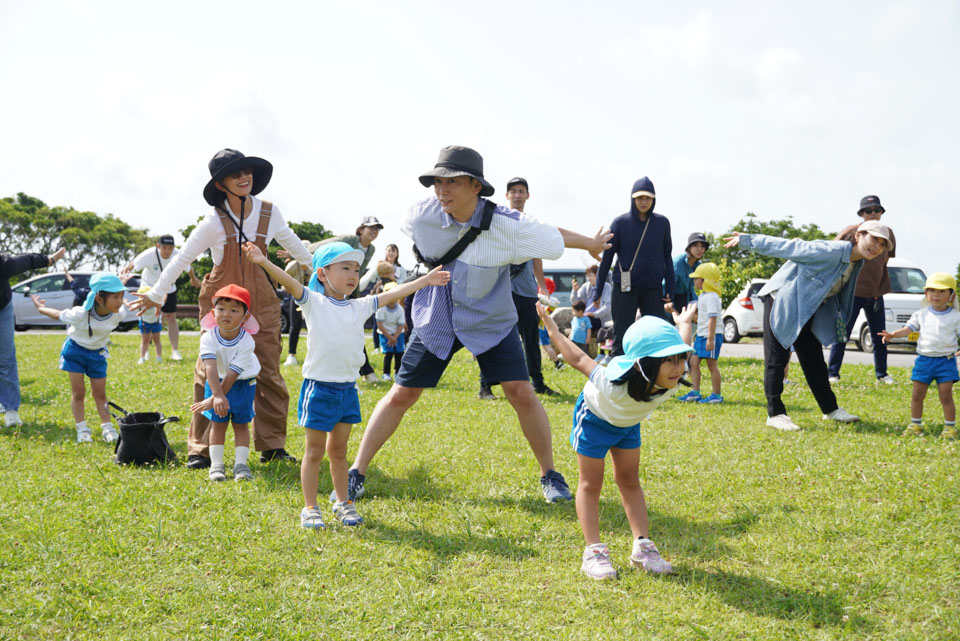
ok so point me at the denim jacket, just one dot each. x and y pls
(802, 284)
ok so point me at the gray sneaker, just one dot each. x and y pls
(346, 513)
(241, 472)
(217, 473)
(311, 518)
(555, 487)
(84, 435)
(647, 556)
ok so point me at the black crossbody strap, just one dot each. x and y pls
(454, 252)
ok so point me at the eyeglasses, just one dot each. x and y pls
(872, 210)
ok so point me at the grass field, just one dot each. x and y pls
(834, 532)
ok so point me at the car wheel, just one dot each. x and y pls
(21, 328)
(731, 333)
(284, 324)
(866, 339)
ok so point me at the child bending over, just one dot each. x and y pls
(85, 353)
(939, 327)
(606, 418)
(706, 346)
(328, 397)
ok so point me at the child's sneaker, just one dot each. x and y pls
(141, 360)
(386, 377)
(346, 513)
(713, 399)
(84, 435)
(175, 355)
(354, 486)
(647, 556)
(913, 430)
(596, 562)
(291, 361)
(159, 359)
(13, 419)
(218, 473)
(887, 380)
(311, 518)
(949, 433)
(693, 396)
(109, 432)
(558, 364)
(241, 472)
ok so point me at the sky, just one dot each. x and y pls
(780, 109)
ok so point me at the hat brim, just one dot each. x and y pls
(262, 172)
(643, 192)
(887, 243)
(354, 254)
(443, 172)
(620, 365)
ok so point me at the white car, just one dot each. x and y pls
(744, 316)
(55, 291)
(907, 282)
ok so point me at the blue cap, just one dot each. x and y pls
(649, 336)
(328, 254)
(102, 282)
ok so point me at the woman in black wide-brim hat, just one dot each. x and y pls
(239, 216)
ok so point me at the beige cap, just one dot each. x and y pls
(643, 193)
(874, 228)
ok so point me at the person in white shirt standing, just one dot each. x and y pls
(150, 263)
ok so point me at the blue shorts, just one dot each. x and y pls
(700, 346)
(322, 405)
(240, 397)
(150, 328)
(544, 336)
(593, 437)
(396, 349)
(502, 362)
(92, 362)
(943, 369)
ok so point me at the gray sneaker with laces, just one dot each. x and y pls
(241, 472)
(555, 487)
(647, 556)
(346, 513)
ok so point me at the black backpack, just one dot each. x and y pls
(142, 439)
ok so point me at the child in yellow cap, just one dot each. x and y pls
(938, 323)
(706, 346)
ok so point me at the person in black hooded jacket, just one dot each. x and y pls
(641, 242)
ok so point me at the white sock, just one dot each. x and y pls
(216, 455)
(82, 426)
(241, 455)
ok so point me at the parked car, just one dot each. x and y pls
(907, 282)
(54, 289)
(744, 316)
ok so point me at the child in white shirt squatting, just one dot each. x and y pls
(328, 398)
(227, 351)
(391, 322)
(706, 346)
(150, 328)
(606, 418)
(939, 327)
(84, 353)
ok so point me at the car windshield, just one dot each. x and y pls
(906, 280)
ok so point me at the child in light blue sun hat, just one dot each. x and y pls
(606, 418)
(85, 353)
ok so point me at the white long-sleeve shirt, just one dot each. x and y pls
(209, 234)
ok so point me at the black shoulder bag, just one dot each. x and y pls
(485, 219)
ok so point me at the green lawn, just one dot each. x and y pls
(831, 532)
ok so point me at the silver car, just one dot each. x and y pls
(56, 293)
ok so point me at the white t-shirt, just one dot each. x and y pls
(391, 318)
(75, 319)
(209, 234)
(151, 264)
(235, 354)
(334, 335)
(613, 404)
(151, 315)
(939, 331)
(708, 306)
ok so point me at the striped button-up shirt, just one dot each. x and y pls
(476, 307)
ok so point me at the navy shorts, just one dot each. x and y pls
(943, 369)
(593, 437)
(700, 346)
(240, 397)
(170, 303)
(502, 362)
(322, 405)
(92, 362)
(150, 328)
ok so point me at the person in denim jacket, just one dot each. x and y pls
(806, 305)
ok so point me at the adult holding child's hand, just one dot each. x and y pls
(10, 266)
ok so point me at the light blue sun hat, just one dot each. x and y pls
(329, 254)
(649, 336)
(102, 282)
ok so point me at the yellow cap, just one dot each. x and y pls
(941, 280)
(389, 286)
(710, 274)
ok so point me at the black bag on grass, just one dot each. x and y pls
(142, 439)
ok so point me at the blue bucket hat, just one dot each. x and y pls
(328, 254)
(102, 282)
(649, 336)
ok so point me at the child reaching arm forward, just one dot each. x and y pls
(607, 417)
(328, 397)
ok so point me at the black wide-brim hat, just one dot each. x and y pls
(458, 161)
(228, 161)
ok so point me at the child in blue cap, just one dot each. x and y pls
(328, 397)
(84, 353)
(607, 417)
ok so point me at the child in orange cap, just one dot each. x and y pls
(226, 349)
